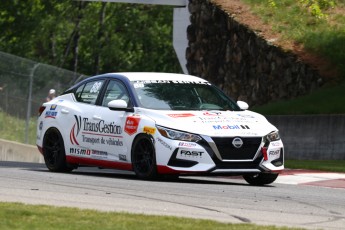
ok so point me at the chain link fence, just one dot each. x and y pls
(24, 86)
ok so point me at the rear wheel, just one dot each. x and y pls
(54, 151)
(260, 178)
(144, 158)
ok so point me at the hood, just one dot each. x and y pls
(213, 123)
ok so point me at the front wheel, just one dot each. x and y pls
(144, 158)
(54, 152)
(260, 178)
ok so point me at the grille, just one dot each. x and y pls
(229, 152)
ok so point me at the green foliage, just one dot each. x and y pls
(89, 37)
(316, 7)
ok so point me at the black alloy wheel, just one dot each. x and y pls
(54, 151)
(144, 158)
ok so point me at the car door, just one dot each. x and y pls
(111, 145)
(82, 127)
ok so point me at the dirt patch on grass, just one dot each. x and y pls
(242, 13)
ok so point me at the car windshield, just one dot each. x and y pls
(181, 95)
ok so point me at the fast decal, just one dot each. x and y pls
(274, 152)
(164, 143)
(231, 127)
(131, 125)
(149, 130)
(181, 115)
(107, 132)
(187, 153)
(187, 144)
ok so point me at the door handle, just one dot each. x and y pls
(64, 111)
(95, 117)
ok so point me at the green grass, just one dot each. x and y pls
(322, 165)
(327, 100)
(294, 22)
(325, 37)
(13, 129)
(20, 216)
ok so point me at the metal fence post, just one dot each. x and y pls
(28, 112)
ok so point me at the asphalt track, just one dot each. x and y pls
(306, 201)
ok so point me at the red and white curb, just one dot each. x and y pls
(312, 178)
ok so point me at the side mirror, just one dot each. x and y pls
(119, 105)
(243, 105)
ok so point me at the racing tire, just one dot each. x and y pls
(260, 178)
(54, 152)
(143, 156)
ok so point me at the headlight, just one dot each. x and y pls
(178, 135)
(274, 136)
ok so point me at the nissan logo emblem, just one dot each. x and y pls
(237, 142)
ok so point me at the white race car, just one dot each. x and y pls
(157, 124)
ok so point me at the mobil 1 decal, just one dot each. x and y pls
(100, 132)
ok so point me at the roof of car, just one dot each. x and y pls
(137, 76)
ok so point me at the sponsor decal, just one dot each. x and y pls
(187, 144)
(88, 152)
(212, 113)
(80, 152)
(137, 83)
(40, 127)
(237, 142)
(96, 87)
(164, 143)
(131, 125)
(231, 127)
(245, 115)
(187, 153)
(274, 152)
(108, 131)
(214, 119)
(181, 115)
(99, 154)
(275, 144)
(122, 157)
(53, 107)
(51, 114)
(149, 130)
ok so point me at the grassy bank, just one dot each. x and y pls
(322, 165)
(19, 216)
(320, 32)
(326, 100)
(13, 129)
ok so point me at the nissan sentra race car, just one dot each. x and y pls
(157, 124)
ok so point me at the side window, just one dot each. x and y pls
(115, 91)
(88, 92)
